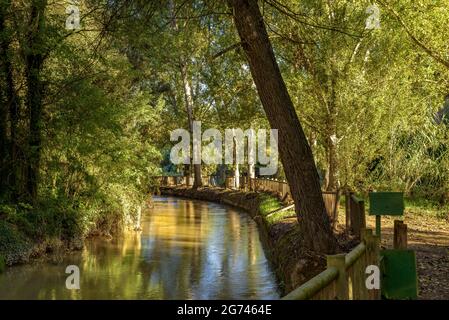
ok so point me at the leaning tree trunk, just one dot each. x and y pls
(295, 152)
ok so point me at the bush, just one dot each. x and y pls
(49, 219)
(13, 245)
(2, 263)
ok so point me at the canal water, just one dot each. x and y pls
(187, 249)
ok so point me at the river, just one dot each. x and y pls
(187, 249)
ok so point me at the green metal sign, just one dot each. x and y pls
(386, 203)
(399, 278)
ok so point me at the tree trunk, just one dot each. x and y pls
(34, 61)
(197, 182)
(237, 176)
(251, 171)
(332, 139)
(3, 101)
(9, 106)
(251, 175)
(295, 152)
(187, 174)
(332, 175)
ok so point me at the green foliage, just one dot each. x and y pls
(278, 216)
(373, 93)
(98, 139)
(12, 241)
(420, 206)
(2, 264)
(50, 220)
(270, 203)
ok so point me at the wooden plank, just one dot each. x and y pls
(331, 200)
(357, 215)
(313, 286)
(338, 261)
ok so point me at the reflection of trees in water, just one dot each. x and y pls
(178, 237)
(187, 249)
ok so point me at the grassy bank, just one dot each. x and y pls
(49, 228)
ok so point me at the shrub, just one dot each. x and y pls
(13, 245)
(2, 263)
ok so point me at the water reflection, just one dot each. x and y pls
(186, 250)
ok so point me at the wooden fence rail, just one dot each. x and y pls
(345, 275)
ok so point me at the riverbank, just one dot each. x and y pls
(279, 232)
(27, 234)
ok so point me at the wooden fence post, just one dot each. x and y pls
(372, 243)
(348, 211)
(400, 235)
(357, 216)
(338, 261)
(361, 217)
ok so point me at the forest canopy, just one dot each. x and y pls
(88, 104)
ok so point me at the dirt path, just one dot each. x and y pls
(428, 236)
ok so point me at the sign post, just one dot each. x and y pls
(385, 204)
(399, 280)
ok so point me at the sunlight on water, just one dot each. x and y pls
(186, 250)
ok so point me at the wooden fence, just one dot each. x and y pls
(355, 214)
(211, 181)
(345, 275)
(280, 188)
(354, 207)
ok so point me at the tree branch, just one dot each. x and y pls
(418, 42)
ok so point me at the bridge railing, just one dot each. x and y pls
(345, 275)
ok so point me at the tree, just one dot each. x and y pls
(34, 58)
(439, 58)
(295, 152)
(9, 109)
